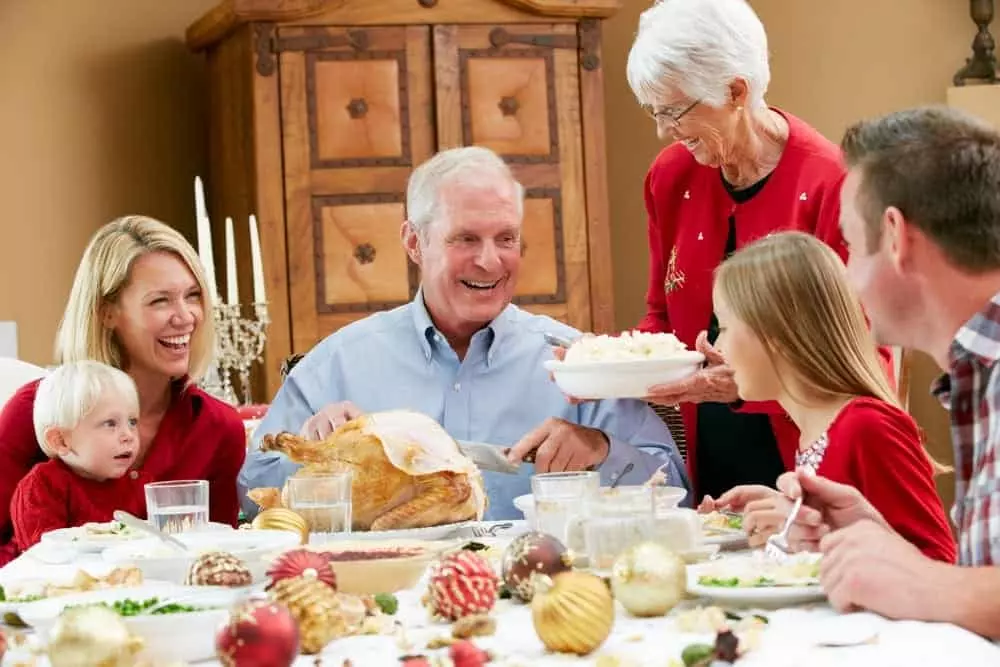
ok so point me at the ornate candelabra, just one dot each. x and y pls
(239, 345)
(982, 66)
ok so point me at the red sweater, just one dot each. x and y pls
(52, 496)
(689, 210)
(876, 448)
(200, 437)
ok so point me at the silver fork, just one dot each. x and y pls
(777, 546)
(490, 531)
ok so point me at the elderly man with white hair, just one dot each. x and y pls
(462, 353)
(735, 170)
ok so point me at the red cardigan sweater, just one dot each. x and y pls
(200, 437)
(52, 496)
(876, 448)
(689, 209)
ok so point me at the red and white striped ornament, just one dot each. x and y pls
(462, 584)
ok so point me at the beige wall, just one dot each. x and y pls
(102, 115)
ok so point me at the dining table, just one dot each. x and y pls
(802, 635)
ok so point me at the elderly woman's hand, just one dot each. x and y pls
(712, 384)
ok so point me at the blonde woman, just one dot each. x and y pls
(139, 303)
(793, 332)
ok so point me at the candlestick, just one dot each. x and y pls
(231, 289)
(205, 238)
(258, 265)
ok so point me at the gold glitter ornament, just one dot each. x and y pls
(573, 612)
(648, 579)
(93, 636)
(315, 607)
(281, 518)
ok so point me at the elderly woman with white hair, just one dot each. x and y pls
(735, 170)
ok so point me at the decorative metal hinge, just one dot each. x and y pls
(267, 43)
(588, 42)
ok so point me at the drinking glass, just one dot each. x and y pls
(323, 500)
(177, 507)
(559, 499)
(614, 520)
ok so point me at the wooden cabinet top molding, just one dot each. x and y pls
(228, 15)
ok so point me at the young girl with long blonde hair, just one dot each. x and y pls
(793, 331)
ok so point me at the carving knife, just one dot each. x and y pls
(491, 457)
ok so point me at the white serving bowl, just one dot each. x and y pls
(160, 562)
(622, 379)
(526, 504)
(666, 498)
(187, 637)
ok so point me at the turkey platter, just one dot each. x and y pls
(407, 471)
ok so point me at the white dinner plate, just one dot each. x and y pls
(78, 538)
(430, 533)
(725, 539)
(792, 593)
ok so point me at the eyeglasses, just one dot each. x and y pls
(672, 118)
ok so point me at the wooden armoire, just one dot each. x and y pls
(320, 109)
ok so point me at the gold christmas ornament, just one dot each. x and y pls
(648, 579)
(280, 518)
(315, 607)
(93, 636)
(573, 612)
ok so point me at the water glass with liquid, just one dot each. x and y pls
(177, 507)
(324, 501)
(560, 498)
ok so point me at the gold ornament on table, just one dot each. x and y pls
(281, 518)
(573, 612)
(648, 579)
(316, 609)
(93, 636)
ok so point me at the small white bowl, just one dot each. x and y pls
(187, 637)
(526, 504)
(621, 379)
(667, 497)
(160, 562)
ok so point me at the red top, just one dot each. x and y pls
(876, 448)
(200, 437)
(689, 211)
(52, 496)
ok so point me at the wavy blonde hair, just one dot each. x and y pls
(791, 290)
(105, 271)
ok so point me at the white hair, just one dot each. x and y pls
(473, 166)
(68, 394)
(700, 47)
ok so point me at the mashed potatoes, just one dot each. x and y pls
(628, 346)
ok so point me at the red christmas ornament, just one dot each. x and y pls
(461, 584)
(259, 633)
(467, 654)
(303, 562)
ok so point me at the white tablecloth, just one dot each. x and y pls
(789, 640)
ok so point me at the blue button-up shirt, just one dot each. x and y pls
(497, 394)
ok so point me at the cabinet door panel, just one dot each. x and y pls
(356, 117)
(515, 89)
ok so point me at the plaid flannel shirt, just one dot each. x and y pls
(970, 390)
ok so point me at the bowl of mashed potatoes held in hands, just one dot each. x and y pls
(623, 366)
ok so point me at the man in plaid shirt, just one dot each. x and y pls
(920, 211)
